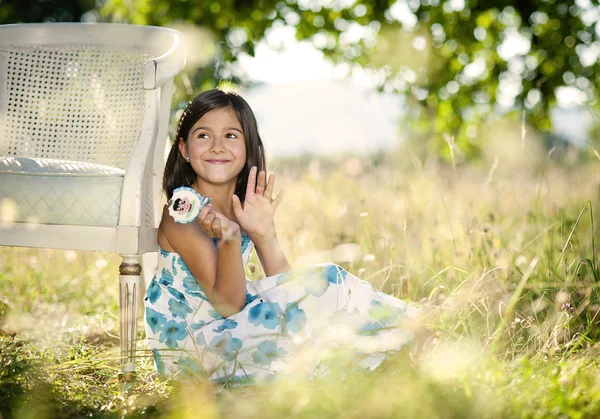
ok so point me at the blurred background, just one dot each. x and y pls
(332, 77)
(446, 151)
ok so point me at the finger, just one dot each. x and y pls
(278, 199)
(251, 181)
(207, 222)
(208, 219)
(260, 187)
(203, 213)
(237, 206)
(225, 221)
(270, 186)
(216, 227)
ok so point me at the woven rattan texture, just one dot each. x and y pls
(78, 103)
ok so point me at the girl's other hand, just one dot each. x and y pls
(216, 225)
(256, 215)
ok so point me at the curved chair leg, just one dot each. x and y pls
(130, 279)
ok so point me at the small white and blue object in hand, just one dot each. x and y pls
(185, 204)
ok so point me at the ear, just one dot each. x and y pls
(183, 148)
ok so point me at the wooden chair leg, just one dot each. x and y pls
(130, 279)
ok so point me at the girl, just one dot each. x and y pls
(203, 317)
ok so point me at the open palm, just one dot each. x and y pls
(257, 213)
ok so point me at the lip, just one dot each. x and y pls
(214, 161)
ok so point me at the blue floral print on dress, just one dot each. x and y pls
(155, 319)
(171, 332)
(245, 242)
(316, 281)
(267, 352)
(313, 279)
(160, 365)
(267, 314)
(225, 345)
(250, 298)
(371, 328)
(192, 288)
(336, 274)
(163, 252)
(293, 318)
(190, 367)
(382, 317)
(179, 308)
(154, 291)
(227, 324)
(166, 277)
(243, 380)
(197, 325)
(290, 276)
(185, 270)
(261, 340)
(200, 339)
(174, 269)
(177, 294)
(385, 313)
(190, 285)
(214, 314)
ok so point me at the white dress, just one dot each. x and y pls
(291, 323)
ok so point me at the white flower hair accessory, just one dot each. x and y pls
(185, 204)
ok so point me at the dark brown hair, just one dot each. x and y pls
(178, 172)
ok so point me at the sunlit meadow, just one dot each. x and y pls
(499, 255)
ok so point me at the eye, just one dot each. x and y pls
(202, 135)
(231, 135)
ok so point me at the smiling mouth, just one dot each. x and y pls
(218, 161)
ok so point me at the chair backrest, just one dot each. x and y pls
(75, 91)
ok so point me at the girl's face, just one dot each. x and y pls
(184, 205)
(216, 147)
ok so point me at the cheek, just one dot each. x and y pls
(241, 151)
(196, 147)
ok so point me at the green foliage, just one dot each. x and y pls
(44, 10)
(235, 27)
(446, 58)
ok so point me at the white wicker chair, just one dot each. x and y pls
(84, 112)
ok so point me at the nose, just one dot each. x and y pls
(218, 145)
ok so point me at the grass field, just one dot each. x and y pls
(501, 259)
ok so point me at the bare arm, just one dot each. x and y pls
(256, 216)
(229, 292)
(219, 274)
(271, 256)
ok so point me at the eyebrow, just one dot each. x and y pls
(228, 128)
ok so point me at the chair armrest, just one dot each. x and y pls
(146, 162)
(159, 70)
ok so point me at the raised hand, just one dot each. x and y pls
(256, 216)
(216, 225)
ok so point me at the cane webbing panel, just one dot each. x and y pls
(78, 103)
